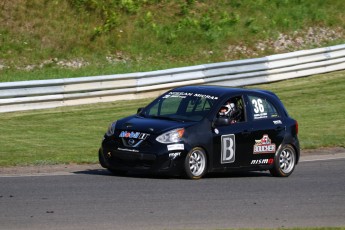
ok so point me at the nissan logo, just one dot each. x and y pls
(131, 142)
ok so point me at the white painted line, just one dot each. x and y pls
(312, 158)
(38, 174)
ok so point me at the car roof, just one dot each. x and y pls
(224, 91)
(220, 91)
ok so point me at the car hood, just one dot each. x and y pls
(149, 125)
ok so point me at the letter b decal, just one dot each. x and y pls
(228, 149)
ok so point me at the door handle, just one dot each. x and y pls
(246, 132)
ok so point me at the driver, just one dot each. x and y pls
(228, 110)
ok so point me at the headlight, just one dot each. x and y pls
(111, 129)
(172, 136)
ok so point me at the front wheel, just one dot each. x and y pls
(195, 164)
(284, 162)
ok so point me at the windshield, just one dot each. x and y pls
(180, 106)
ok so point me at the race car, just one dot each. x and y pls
(194, 130)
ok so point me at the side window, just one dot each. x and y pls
(262, 109)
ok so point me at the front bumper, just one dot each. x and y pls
(133, 160)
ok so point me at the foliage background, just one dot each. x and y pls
(44, 39)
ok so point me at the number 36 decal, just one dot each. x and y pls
(258, 106)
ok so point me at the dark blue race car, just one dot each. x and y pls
(194, 130)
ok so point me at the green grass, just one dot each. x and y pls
(146, 35)
(73, 134)
(62, 135)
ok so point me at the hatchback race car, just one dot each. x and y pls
(194, 130)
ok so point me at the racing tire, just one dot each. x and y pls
(284, 162)
(195, 164)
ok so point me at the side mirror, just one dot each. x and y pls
(139, 110)
(222, 121)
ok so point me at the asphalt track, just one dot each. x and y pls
(314, 195)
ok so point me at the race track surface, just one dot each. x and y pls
(314, 195)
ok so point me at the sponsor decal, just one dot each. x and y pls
(186, 94)
(260, 116)
(134, 135)
(178, 94)
(133, 139)
(175, 147)
(262, 161)
(128, 150)
(174, 155)
(205, 96)
(228, 149)
(277, 122)
(264, 145)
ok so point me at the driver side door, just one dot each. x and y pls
(230, 141)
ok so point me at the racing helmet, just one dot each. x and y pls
(228, 108)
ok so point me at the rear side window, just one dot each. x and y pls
(262, 108)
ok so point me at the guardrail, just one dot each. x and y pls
(42, 94)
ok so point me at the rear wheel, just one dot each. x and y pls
(284, 162)
(195, 164)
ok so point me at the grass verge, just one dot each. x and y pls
(73, 134)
